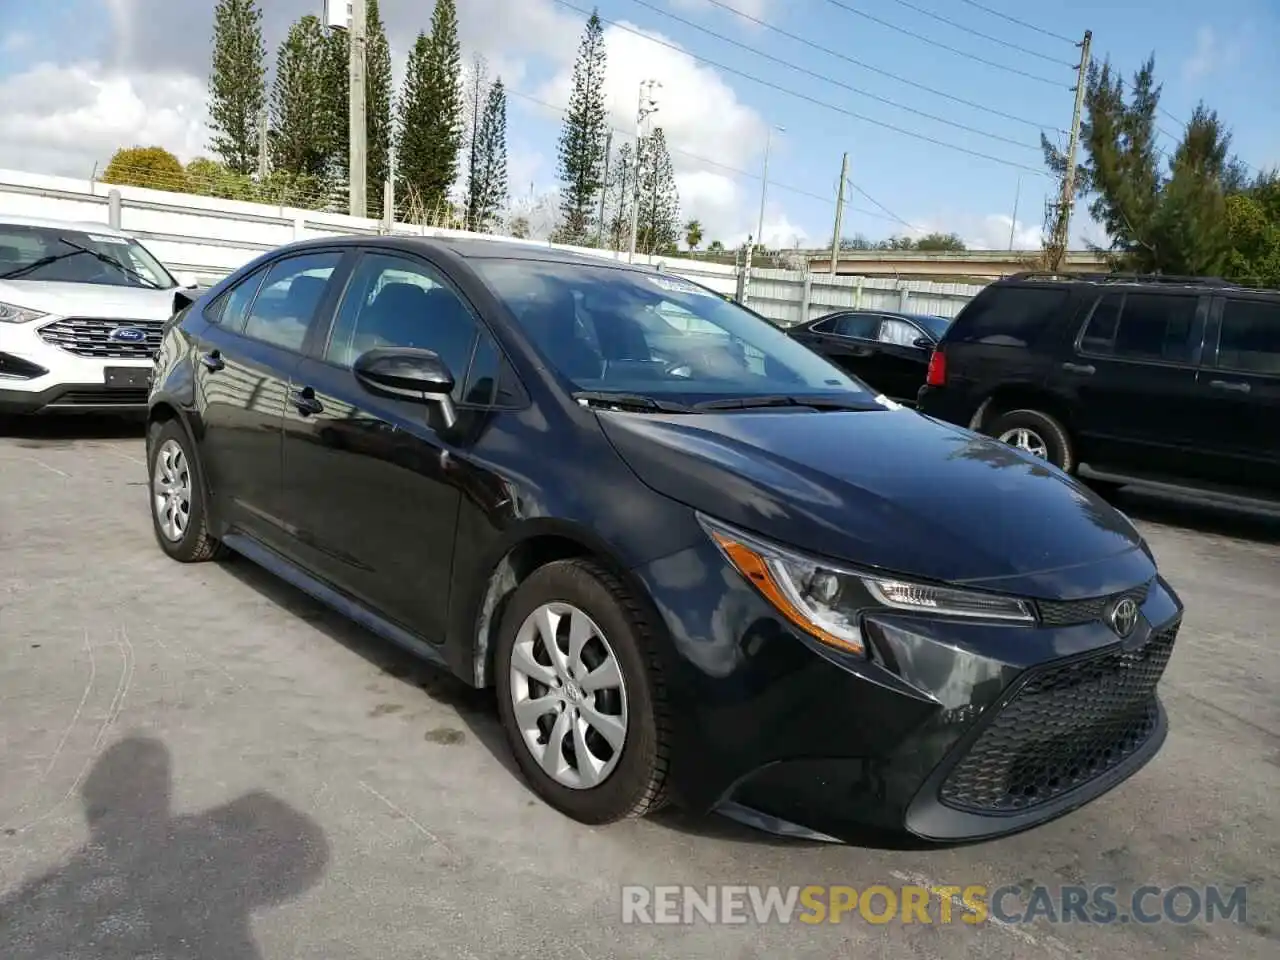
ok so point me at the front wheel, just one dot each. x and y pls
(580, 693)
(1037, 433)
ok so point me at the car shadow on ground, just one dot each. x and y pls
(478, 711)
(1189, 513)
(64, 431)
(152, 883)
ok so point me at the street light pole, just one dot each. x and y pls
(647, 106)
(357, 165)
(764, 179)
(1017, 195)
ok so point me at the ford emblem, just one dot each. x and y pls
(127, 334)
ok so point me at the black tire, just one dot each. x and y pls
(637, 784)
(1057, 441)
(196, 545)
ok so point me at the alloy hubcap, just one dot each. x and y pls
(1028, 440)
(171, 491)
(568, 696)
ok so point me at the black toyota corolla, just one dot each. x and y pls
(698, 562)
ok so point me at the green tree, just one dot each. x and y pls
(431, 111)
(659, 218)
(1253, 229)
(153, 167)
(212, 179)
(715, 246)
(336, 104)
(237, 83)
(477, 91)
(582, 140)
(944, 242)
(618, 198)
(488, 185)
(301, 128)
(378, 91)
(693, 234)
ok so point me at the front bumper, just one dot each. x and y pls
(949, 731)
(40, 376)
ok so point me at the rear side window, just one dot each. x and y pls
(1008, 316)
(1250, 339)
(856, 325)
(1142, 326)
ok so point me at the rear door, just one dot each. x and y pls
(849, 341)
(900, 365)
(1239, 389)
(1130, 378)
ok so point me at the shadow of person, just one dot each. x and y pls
(149, 884)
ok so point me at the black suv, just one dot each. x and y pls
(695, 559)
(1160, 381)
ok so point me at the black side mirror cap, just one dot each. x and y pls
(410, 373)
(924, 343)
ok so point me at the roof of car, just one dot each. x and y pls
(475, 248)
(13, 220)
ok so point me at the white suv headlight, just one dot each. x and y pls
(9, 313)
(826, 601)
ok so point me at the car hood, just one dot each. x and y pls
(88, 299)
(890, 489)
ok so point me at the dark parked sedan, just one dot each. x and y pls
(721, 573)
(888, 351)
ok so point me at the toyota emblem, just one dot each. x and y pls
(1123, 617)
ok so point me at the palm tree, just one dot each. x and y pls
(693, 234)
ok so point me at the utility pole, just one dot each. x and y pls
(358, 166)
(1013, 224)
(261, 146)
(389, 192)
(835, 236)
(604, 186)
(1069, 181)
(646, 107)
(764, 181)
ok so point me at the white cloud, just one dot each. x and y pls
(752, 8)
(15, 41)
(994, 231)
(1211, 54)
(706, 127)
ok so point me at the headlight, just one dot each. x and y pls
(13, 314)
(827, 601)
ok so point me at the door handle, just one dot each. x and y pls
(213, 360)
(1234, 386)
(306, 402)
(1086, 368)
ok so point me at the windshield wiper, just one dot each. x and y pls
(782, 400)
(42, 262)
(628, 401)
(108, 259)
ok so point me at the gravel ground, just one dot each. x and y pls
(199, 761)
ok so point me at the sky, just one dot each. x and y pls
(938, 103)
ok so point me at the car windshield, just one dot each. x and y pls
(612, 330)
(58, 252)
(935, 326)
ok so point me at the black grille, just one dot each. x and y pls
(1065, 725)
(1061, 613)
(91, 337)
(129, 397)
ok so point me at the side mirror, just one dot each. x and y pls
(410, 373)
(924, 343)
(187, 281)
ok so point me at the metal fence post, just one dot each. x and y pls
(806, 294)
(114, 205)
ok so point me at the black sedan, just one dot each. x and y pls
(889, 351)
(721, 573)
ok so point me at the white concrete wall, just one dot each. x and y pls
(211, 237)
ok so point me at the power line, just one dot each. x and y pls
(803, 96)
(1021, 23)
(942, 46)
(728, 168)
(884, 73)
(985, 36)
(892, 215)
(755, 51)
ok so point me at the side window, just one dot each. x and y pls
(1156, 327)
(898, 332)
(1008, 316)
(858, 325)
(1250, 339)
(287, 302)
(391, 301)
(1100, 333)
(491, 379)
(232, 306)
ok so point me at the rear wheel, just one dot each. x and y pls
(1037, 433)
(580, 693)
(178, 504)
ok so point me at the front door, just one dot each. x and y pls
(849, 341)
(1130, 379)
(1240, 391)
(900, 365)
(370, 480)
(246, 354)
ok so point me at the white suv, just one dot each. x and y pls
(81, 310)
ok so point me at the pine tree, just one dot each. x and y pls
(431, 111)
(582, 141)
(489, 183)
(336, 104)
(474, 110)
(377, 101)
(237, 83)
(619, 198)
(300, 132)
(659, 220)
